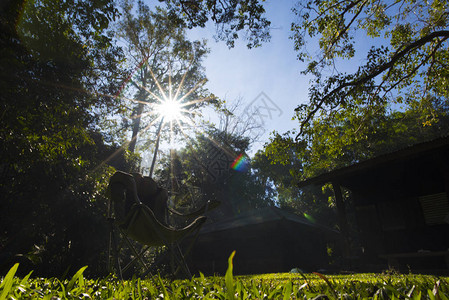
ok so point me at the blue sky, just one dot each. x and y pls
(272, 69)
(270, 74)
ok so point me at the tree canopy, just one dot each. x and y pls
(204, 166)
(57, 63)
(396, 98)
(230, 17)
(407, 64)
(162, 63)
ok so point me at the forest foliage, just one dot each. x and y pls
(396, 98)
(62, 78)
(57, 63)
(62, 75)
(161, 61)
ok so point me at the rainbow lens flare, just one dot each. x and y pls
(310, 218)
(241, 163)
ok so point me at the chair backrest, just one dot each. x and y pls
(142, 217)
(152, 196)
(129, 189)
(120, 202)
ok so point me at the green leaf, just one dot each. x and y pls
(78, 276)
(164, 289)
(8, 281)
(229, 280)
(288, 290)
(431, 295)
(328, 283)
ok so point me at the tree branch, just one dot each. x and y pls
(374, 73)
(346, 28)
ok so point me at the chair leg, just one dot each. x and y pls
(187, 252)
(136, 254)
(182, 262)
(172, 258)
(108, 263)
(116, 253)
(176, 254)
(143, 250)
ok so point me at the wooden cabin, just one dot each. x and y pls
(266, 240)
(401, 207)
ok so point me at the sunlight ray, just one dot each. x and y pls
(197, 101)
(190, 142)
(171, 133)
(144, 114)
(167, 105)
(178, 90)
(183, 120)
(219, 145)
(216, 143)
(202, 82)
(122, 97)
(135, 100)
(129, 78)
(125, 146)
(169, 83)
(158, 84)
(188, 121)
(149, 92)
(159, 130)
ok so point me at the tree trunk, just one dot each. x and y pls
(137, 113)
(138, 110)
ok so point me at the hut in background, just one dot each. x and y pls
(266, 240)
(400, 201)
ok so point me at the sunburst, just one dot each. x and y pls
(170, 110)
(169, 107)
(165, 108)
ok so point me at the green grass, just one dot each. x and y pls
(267, 286)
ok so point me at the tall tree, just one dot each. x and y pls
(407, 64)
(280, 175)
(57, 63)
(327, 145)
(168, 64)
(214, 166)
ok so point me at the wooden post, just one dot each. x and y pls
(342, 219)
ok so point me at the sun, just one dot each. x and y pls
(175, 106)
(170, 109)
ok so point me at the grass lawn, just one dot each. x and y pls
(267, 286)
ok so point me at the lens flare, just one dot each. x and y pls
(170, 109)
(310, 218)
(241, 163)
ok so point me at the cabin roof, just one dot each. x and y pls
(260, 216)
(404, 154)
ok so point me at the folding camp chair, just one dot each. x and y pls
(143, 221)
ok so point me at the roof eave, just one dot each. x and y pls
(352, 170)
